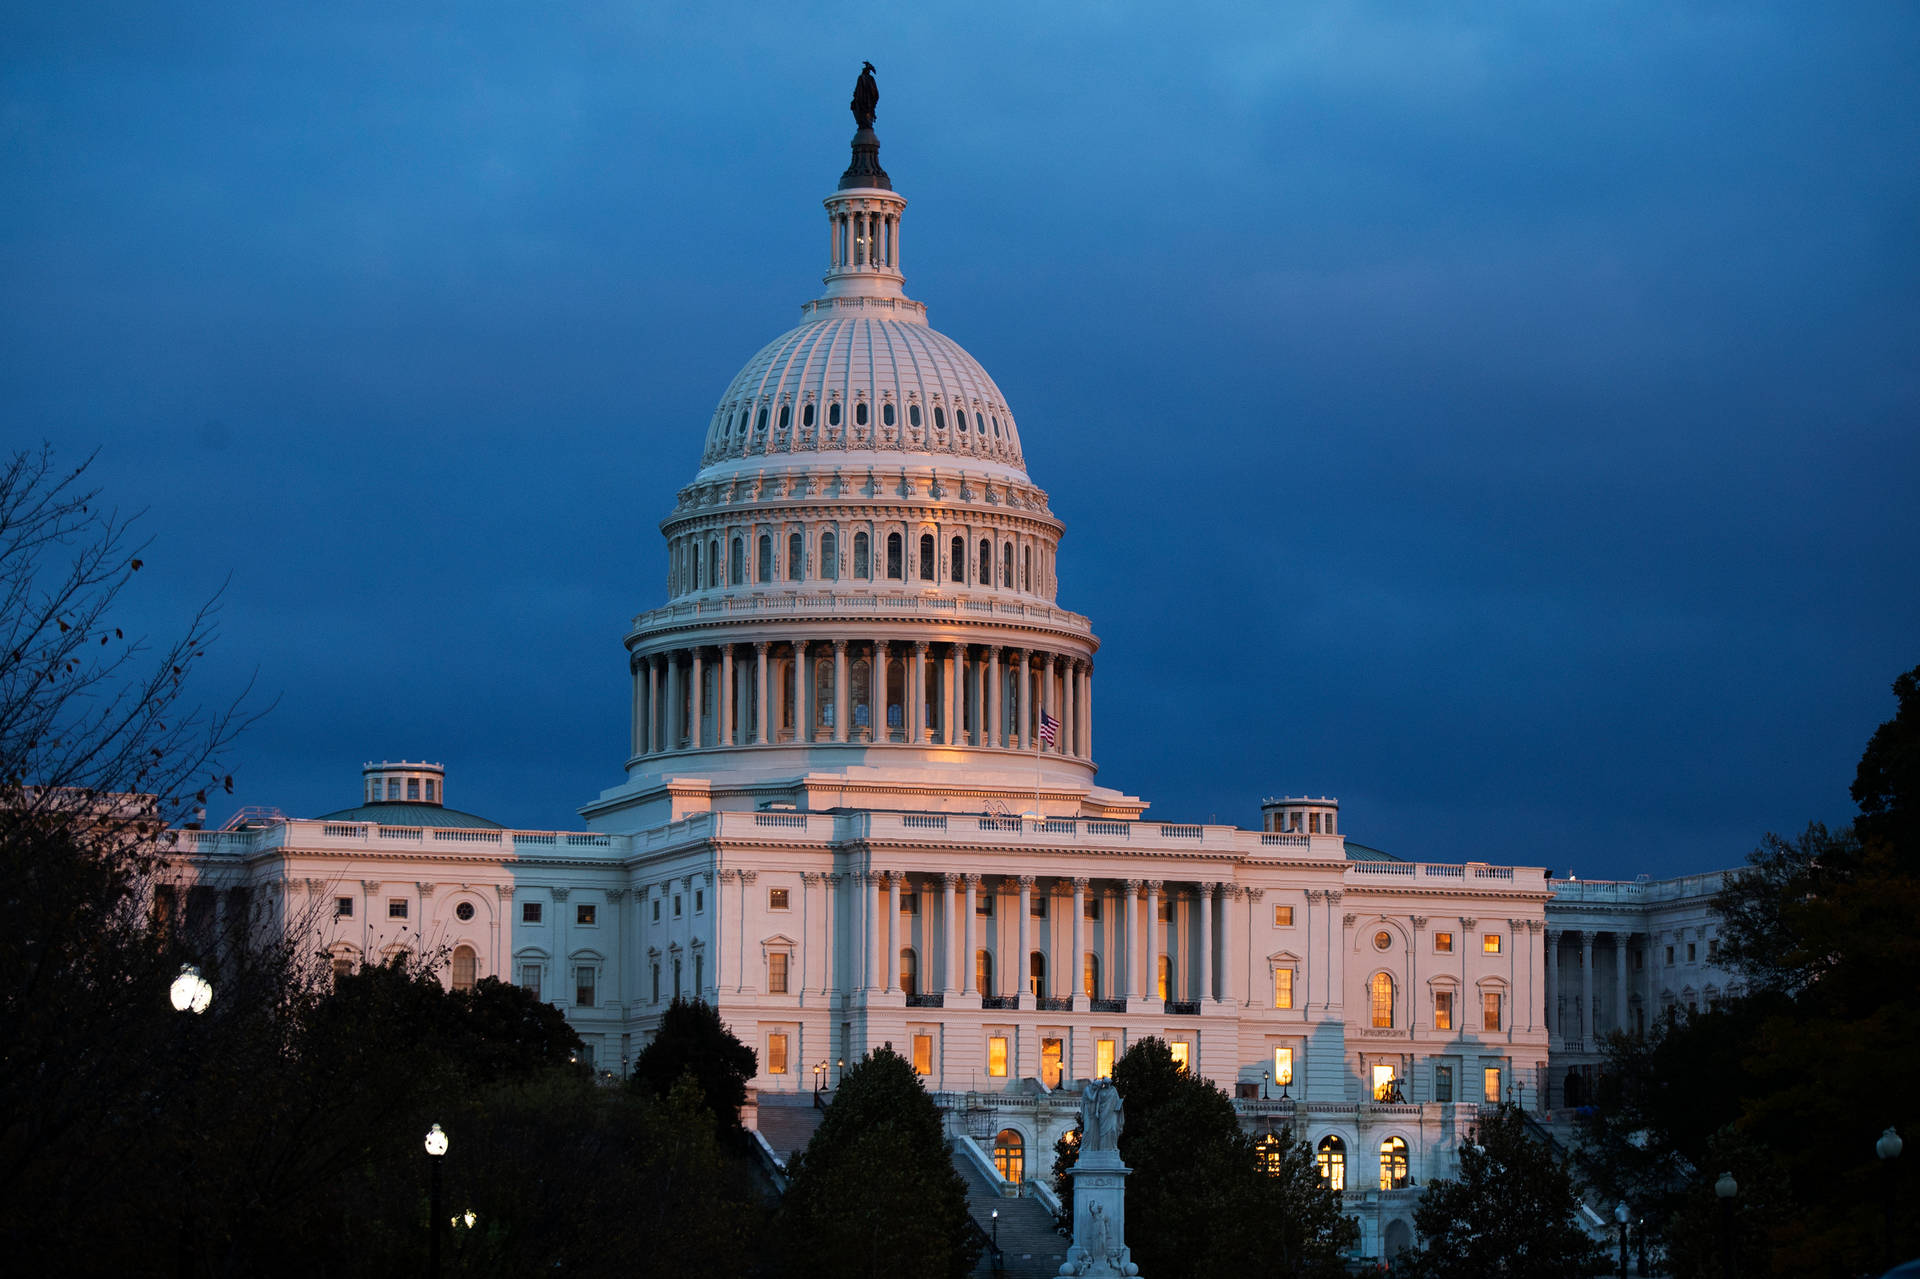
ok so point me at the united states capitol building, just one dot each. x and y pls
(861, 806)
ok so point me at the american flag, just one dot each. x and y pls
(1049, 729)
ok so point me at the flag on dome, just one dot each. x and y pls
(1049, 729)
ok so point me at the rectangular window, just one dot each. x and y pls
(1443, 1010)
(1443, 1083)
(1490, 1010)
(1443, 943)
(1037, 906)
(1639, 960)
(923, 1055)
(656, 983)
(1103, 1059)
(1283, 1065)
(699, 900)
(343, 908)
(1491, 1086)
(699, 974)
(776, 1054)
(530, 979)
(1050, 1062)
(1182, 1053)
(530, 912)
(583, 985)
(909, 903)
(1669, 956)
(396, 908)
(1490, 943)
(1283, 988)
(430, 792)
(1283, 917)
(777, 972)
(676, 905)
(584, 915)
(777, 899)
(983, 904)
(393, 788)
(1690, 952)
(997, 1056)
(413, 788)
(1713, 949)
(1166, 910)
(656, 910)
(1090, 975)
(1384, 1085)
(1090, 908)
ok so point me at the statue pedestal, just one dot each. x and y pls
(1100, 1218)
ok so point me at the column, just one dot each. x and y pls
(802, 681)
(1024, 728)
(1086, 711)
(1150, 977)
(893, 930)
(1206, 942)
(727, 691)
(1586, 989)
(1078, 989)
(828, 922)
(877, 693)
(993, 717)
(1553, 984)
(696, 689)
(873, 904)
(1620, 1014)
(917, 696)
(760, 693)
(1026, 943)
(949, 935)
(1130, 946)
(635, 745)
(967, 921)
(955, 699)
(653, 706)
(675, 704)
(1046, 695)
(1230, 896)
(842, 701)
(1069, 726)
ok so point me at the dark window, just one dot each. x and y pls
(766, 559)
(959, 558)
(986, 562)
(1037, 906)
(860, 413)
(737, 567)
(833, 413)
(996, 424)
(894, 567)
(761, 423)
(913, 415)
(584, 915)
(583, 985)
(796, 556)
(1006, 566)
(939, 418)
(926, 557)
(1443, 1083)
(886, 413)
(960, 418)
(342, 907)
(699, 900)
(530, 912)
(829, 557)
(656, 910)
(396, 908)
(862, 557)
(463, 912)
(713, 563)
(786, 416)
(806, 413)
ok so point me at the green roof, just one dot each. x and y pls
(401, 813)
(1361, 853)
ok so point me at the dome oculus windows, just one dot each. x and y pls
(939, 418)
(913, 416)
(833, 413)
(806, 413)
(960, 418)
(886, 413)
(786, 416)
(860, 413)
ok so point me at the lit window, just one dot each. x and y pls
(583, 985)
(1382, 940)
(530, 912)
(922, 1044)
(343, 908)
(1332, 1158)
(1182, 1054)
(1491, 1085)
(1443, 1010)
(777, 898)
(1037, 974)
(1490, 1009)
(1381, 989)
(585, 914)
(1283, 988)
(777, 972)
(1009, 1150)
(465, 963)
(1490, 943)
(1269, 1153)
(1443, 943)
(909, 971)
(1393, 1164)
(396, 908)
(1386, 1086)
(1103, 1059)
(1165, 975)
(1050, 1055)
(997, 1056)
(776, 1054)
(1090, 976)
(1283, 917)
(1283, 1065)
(983, 972)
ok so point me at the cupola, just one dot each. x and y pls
(1301, 816)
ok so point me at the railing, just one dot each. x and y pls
(1287, 841)
(1107, 1005)
(1054, 1003)
(1184, 1007)
(336, 830)
(1384, 868)
(1493, 872)
(923, 821)
(1112, 829)
(1445, 872)
(1000, 1001)
(1055, 826)
(750, 604)
(461, 835)
(789, 821)
(399, 832)
(1182, 832)
(935, 1000)
(1002, 825)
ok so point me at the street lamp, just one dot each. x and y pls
(1620, 1216)
(996, 1229)
(436, 1155)
(1725, 1189)
(819, 1072)
(1888, 1148)
(191, 993)
(1264, 1076)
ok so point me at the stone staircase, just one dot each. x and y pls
(1029, 1248)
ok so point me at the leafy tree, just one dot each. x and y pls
(875, 1191)
(692, 1040)
(512, 1033)
(1701, 1228)
(1509, 1213)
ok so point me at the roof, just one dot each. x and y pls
(402, 813)
(1361, 853)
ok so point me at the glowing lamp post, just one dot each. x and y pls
(1620, 1215)
(192, 993)
(1725, 1189)
(436, 1155)
(996, 1230)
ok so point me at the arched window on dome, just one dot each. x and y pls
(1332, 1158)
(806, 413)
(895, 569)
(986, 562)
(860, 413)
(913, 416)
(761, 423)
(996, 426)
(829, 556)
(926, 557)
(833, 413)
(796, 556)
(1006, 566)
(696, 566)
(960, 418)
(1026, 568)
(886, 413)
(737, 564)
(713, 562)
(740, 423)
(786, 416)
(766, 559)
(939, 418)
(959, 564)
(1380, 994)
(862, 558)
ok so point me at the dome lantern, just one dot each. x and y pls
(863, 224)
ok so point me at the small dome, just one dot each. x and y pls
(843, 385)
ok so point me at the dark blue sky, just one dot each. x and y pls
(1505, 422)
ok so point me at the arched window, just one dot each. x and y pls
(1393, 1164)
(939, 418)
(983, 972)
(960, 418)
(465, 962)
(886, 413)
(862, 557)
(786, 416)
(829, 556)
(760, 424)
(959, 558)
(740, 427)
(1166, 974)
(860, 413)
(806, 413)
(1037, 974)
(737, 565)
(1010, 1156)
(766, 559)
(696, 566)
(1381, 991)
(833, 413)
(713, 562)
(996, 426)
(926, 557)
(796, 556)
(909, 971)
(986, 562)
(1026, 568)
(1332, 1158)
(1006, 566)
(1090, 975)
(1268, 1151)
(913, 416)
(895, 569)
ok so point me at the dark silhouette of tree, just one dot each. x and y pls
(875, 1192)
(692, 1040)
